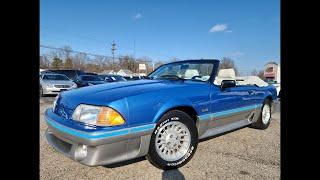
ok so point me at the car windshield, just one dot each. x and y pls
(55, 77)
(91, 78)
(184, 71)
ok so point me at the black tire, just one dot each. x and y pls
(174, 115)
(259, 123)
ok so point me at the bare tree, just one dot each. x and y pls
(65, 52)
(90, 67)
(128, 62)
(56, 63)
(158, 63)
(227, 63)
(174, 59)
(44, 62)
(254, 72)
(66, 58)
(68, 64)
(79, 61)
(261, 74)
(101, 62)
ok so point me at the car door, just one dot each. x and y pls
(231, 105)
(248, 93)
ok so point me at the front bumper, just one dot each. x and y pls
(54, 90)
(102, 149)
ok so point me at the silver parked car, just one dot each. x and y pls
(55, 83)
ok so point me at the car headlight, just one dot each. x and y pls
(97, 115)
(74, 85)
(49, 85)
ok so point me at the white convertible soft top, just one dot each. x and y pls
(229, 74)
(251, 80)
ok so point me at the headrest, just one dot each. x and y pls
(227, 74)
(190, 73)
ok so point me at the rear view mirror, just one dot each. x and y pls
(227, 84)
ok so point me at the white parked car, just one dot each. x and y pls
(55, 83)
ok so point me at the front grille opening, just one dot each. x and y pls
(61, 86)
(61, 145)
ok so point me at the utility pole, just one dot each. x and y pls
(113, 48)
(134, 49)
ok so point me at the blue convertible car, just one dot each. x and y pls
(162, 117)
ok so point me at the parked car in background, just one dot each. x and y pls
(90, 73)
(46, 72)
(70, 73)
(55, 83)
(132, 78)
(111, 77)
(88, 80)
(162, 117)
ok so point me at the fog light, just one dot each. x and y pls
(81, 152)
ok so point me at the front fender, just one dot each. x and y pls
(168, 105)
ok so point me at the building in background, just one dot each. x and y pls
(272, 72)
(278, 74)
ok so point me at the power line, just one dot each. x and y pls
(51, 47)
(99, 55)
(90, 39)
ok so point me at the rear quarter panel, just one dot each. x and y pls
(261, 93)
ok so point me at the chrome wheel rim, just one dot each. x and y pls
(173, 141)
(266, 114)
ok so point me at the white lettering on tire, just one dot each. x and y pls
(184, 159)
(164, 122)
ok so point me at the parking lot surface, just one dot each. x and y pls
(243, 154)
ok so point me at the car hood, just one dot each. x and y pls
(102, 94)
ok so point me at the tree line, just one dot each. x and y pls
(66, 59)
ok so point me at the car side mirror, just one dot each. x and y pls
(227, 84)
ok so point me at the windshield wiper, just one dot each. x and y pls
(171, 76)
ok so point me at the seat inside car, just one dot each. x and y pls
(225, 74)
(191, 73)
